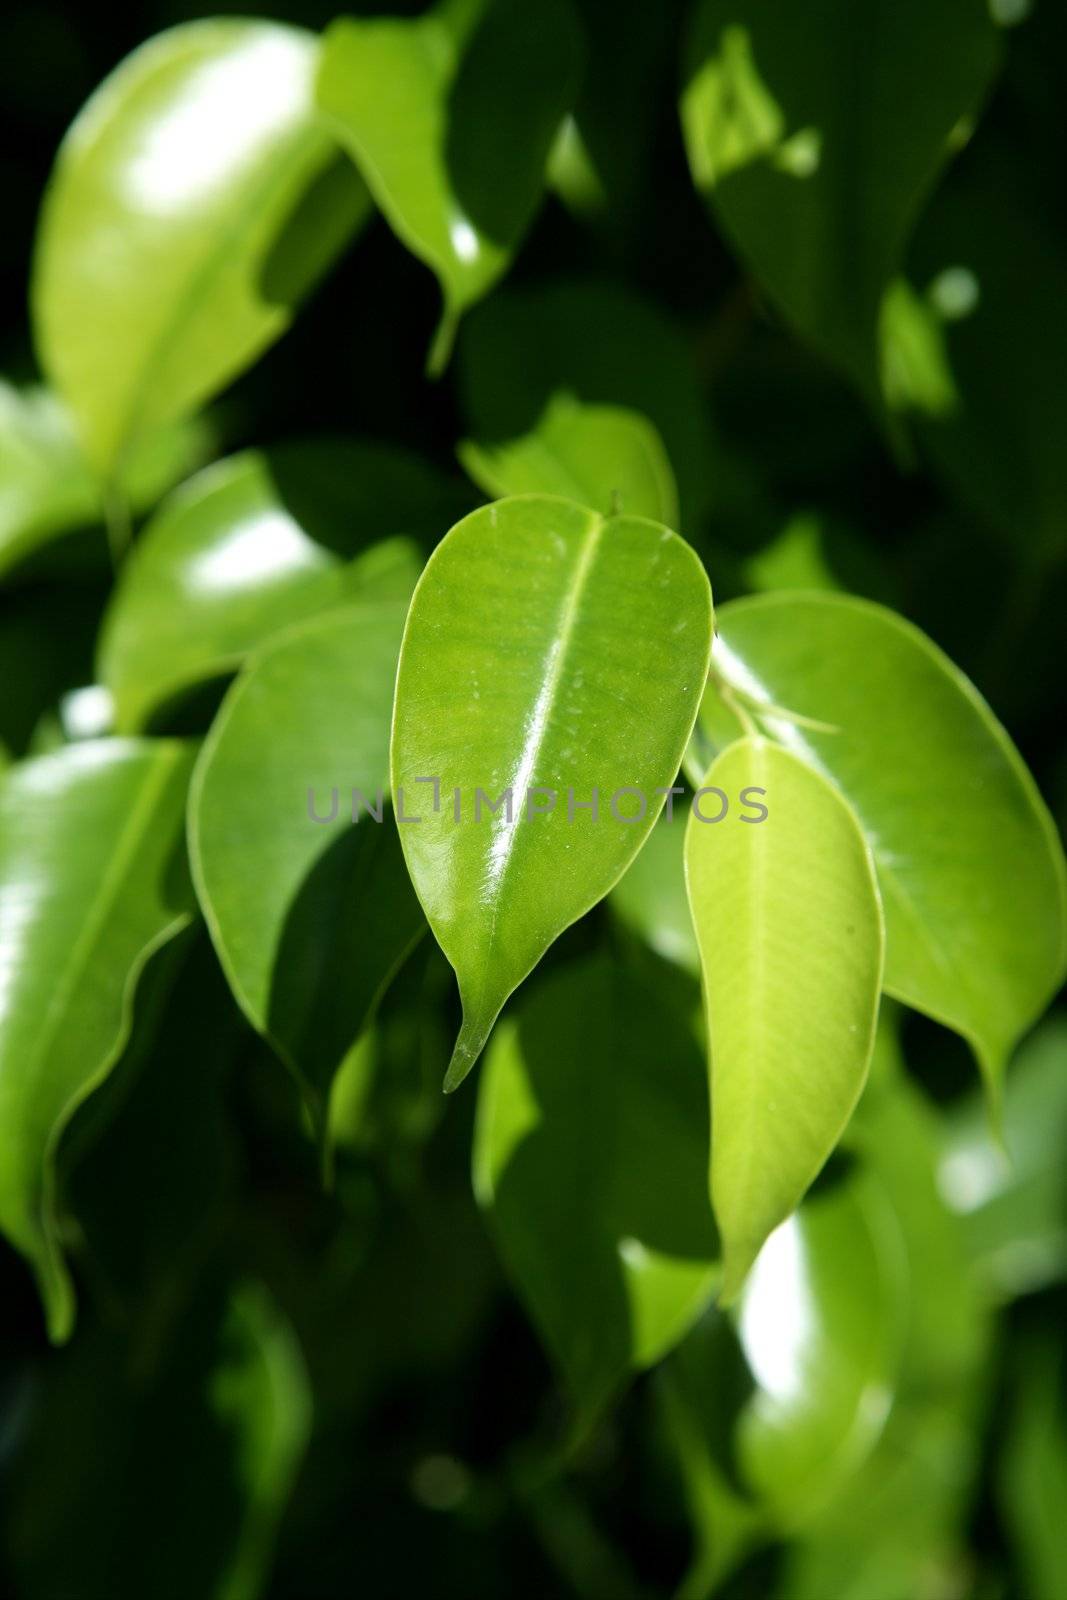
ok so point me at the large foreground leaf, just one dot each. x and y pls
(194, 200)
(450, 118)
(790, 932)
(550, 653)
(590, 1157)
(969, 863)
(256, 542)
(90, 885)
(310, 919)
(817, 132)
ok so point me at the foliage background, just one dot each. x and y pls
(434, 1408)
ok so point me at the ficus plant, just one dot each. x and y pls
(534, 678)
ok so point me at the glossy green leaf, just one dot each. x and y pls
(111, 1441)
(309, 907)
(820, 1325)
(789, 926)
(817, 133)
(1013, 1201)
(602, 344)
(650, 896)
(548, 651)
(969, 865)
(590, 1157)
(46, 487)
(450, 118)
(194, 200)
(255, 543)
(600, 456)
(91, 882)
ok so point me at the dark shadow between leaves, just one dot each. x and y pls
(616, 1166)
(346, 933)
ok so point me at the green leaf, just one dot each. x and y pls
(110, 1444)
(590, 1156)
(600, 456)
(47, 489)
(547, 649)
(91, 883)
(817, 134)
(310, 919)
(820, 1324)
(969, 864)
(450, 118)
(186, 216)
(255, 543)
(602, 344)
(790, 931)
(1013, 1201)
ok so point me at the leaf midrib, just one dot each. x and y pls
(541, 717)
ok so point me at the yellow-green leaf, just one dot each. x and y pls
(789, 925)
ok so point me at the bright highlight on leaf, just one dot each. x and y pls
(450, 118)
(253, 544)
(816, 132)
(789, 926)
(172, 248)
(552, 655)
(91, 883)
(969, 863)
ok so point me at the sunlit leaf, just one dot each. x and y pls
(899, 1522)
(600, 456)
(969, 864)
(817, 133)
(194, 200)
(255, 543)
(590, 1158)
(450, 118)
(820, 1323)
(789, 926)
(91, 882)
(303, 887)
(550, 654)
